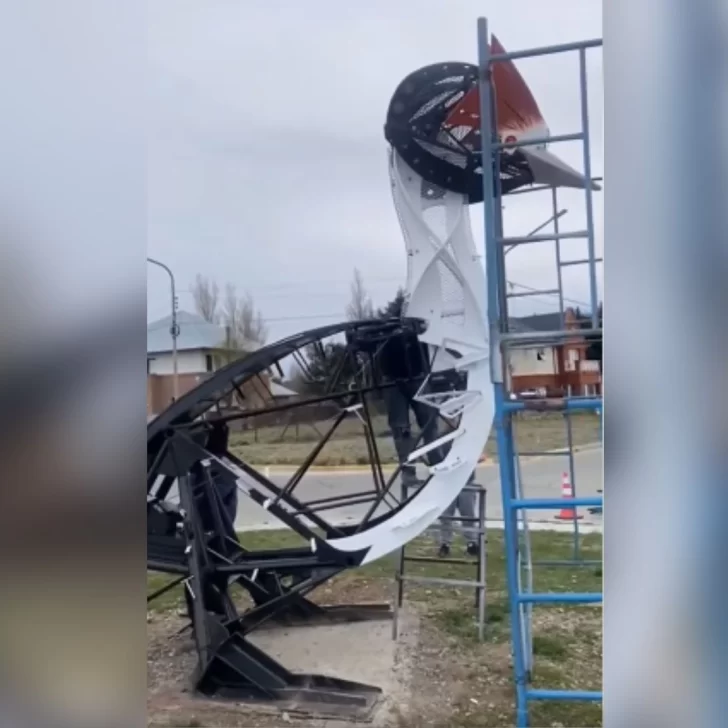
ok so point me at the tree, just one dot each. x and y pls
(360, 307)
(395, 307)
(244, 325)
(325, 371)
(206, 294)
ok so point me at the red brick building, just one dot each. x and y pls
(558, 369)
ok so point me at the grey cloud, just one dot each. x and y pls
(267, 157)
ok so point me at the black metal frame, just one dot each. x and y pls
(414, 127)
(197, 543)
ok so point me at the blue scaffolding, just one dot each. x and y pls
(522, 598)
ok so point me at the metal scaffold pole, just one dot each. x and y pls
(522, 597)
(476, 529)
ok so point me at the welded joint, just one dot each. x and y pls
(451, 404)
(439, 442)
(449, 467)
(189, 588)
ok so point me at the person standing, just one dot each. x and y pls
(464, 505)
(405, 362)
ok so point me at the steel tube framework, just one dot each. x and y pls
(476, 526)
(501, 341)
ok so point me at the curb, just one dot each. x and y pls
(355, 469)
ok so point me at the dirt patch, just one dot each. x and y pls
(453, 684)
(354, 587)
(426, 677)
(437, 673)
(364, 652)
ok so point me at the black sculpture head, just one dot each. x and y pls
(433, 122)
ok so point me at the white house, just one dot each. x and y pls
(196, 345)
(200, 351)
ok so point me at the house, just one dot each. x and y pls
(556, 369)
(200, 352)
(197, 343)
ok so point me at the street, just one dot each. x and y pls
(541, 479)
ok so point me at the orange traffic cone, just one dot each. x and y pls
(567, 492)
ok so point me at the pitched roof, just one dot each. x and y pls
(194, 333)
(537, 322)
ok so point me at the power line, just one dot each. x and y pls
(317, 294)
(340, 314)
(304, 318)
(287, 294)
(287, 285)
(529, 288)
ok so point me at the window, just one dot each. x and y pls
(208, 363)
(540, 355)
(150, 359)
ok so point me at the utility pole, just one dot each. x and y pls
(174, 329)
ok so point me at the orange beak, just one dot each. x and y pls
(518, 118)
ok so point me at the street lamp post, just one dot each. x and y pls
(174, 328)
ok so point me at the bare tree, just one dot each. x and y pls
(206, 295)
(244, 325)
(360, 307)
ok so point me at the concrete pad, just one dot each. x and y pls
(363, 652)
(360, 651)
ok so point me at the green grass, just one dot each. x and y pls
(277, 446)
(566, 638)
(173, 599)
(548, 546)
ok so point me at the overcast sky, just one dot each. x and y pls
(267, 161)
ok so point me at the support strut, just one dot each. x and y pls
(197, 542)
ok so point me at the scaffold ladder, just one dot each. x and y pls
(521, 601)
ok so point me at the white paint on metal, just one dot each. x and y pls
(446, 288)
